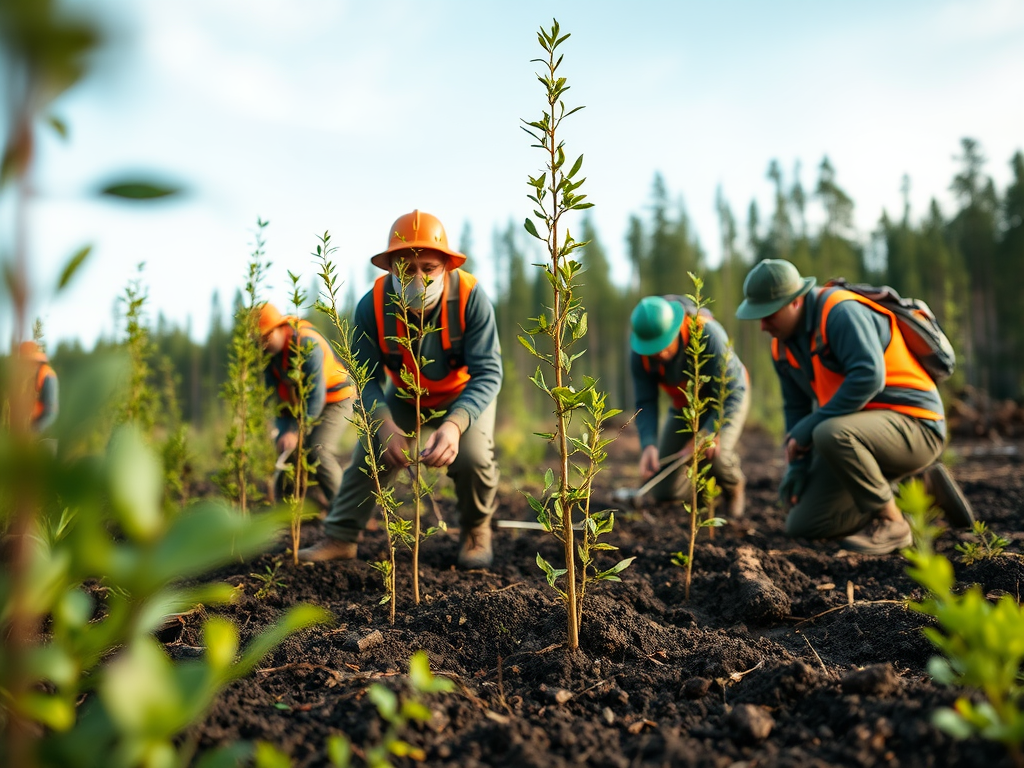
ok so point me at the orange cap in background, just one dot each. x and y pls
(420, 231)
(29, 350)
(270, 318)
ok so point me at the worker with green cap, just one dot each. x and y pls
(860, 410)
(660, 332)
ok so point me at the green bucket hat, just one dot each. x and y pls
(656, 322)
(770, 286)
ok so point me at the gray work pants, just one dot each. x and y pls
(725, 467)
(323, 442)
(855, 460)
(474, 472)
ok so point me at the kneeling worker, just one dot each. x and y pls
(462, 378)
(329, 400)
(860, 410)
(660, 333)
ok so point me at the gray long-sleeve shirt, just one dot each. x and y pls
(48, 397)
(646, 383)
(857, 339)
(481, 351)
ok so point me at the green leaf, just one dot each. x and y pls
(339, 751)
(618, 568)
(231, 756)
(532, 228)
(221, 640)
(575, 167)
(269, 756)
(550, 572)
(72, 266)
(58, 125)
(385, 700)
(136, 483)
(138, 190)
(140, 693)
(950, 722)
(50, 710)
(423, 680)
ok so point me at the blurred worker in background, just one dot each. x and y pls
(462, 379)
(43, 381)
(860, 410)
(328, 402)
(658, 340)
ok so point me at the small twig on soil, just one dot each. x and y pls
(735, 677)
(502, 589)
(849, 593)
(465, 690)
(339, 677)
(823, 667)
(841, 607)
(598, 684)
(501, 689)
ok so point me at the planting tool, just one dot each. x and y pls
(279, 467)
(675, 460)
(529, 525)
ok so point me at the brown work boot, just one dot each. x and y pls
(880, 537)
(941, 486)
(735, 501)
(475, 547)
(329, 549)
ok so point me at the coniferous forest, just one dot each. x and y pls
(967, 263)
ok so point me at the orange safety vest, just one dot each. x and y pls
(443, 379)
(656, 367)
(41, 375)
(339, 386)
(902, 369)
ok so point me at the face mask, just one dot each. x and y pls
(415, 291)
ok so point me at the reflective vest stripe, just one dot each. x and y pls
(454, 298)
(42, 374)
(336, 380)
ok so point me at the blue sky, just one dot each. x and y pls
(340, 116)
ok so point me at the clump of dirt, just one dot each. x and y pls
(788, 653)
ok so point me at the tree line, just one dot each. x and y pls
(968, 264)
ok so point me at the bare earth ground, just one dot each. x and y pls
(755, 670)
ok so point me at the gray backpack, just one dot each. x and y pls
(922, 332)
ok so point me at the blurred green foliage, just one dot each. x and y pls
(981, 641)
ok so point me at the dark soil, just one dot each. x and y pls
(767, 664)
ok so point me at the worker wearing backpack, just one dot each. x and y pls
(860, 409)
(462, 376)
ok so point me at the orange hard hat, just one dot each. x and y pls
(419, 231)
(29, 350)
(270, 318)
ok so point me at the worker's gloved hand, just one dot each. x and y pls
(793, 483)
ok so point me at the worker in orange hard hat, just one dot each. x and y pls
(329, 400)
(44, 383)
(462, 375)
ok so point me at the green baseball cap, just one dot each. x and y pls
(656, 322)
(769, 286)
